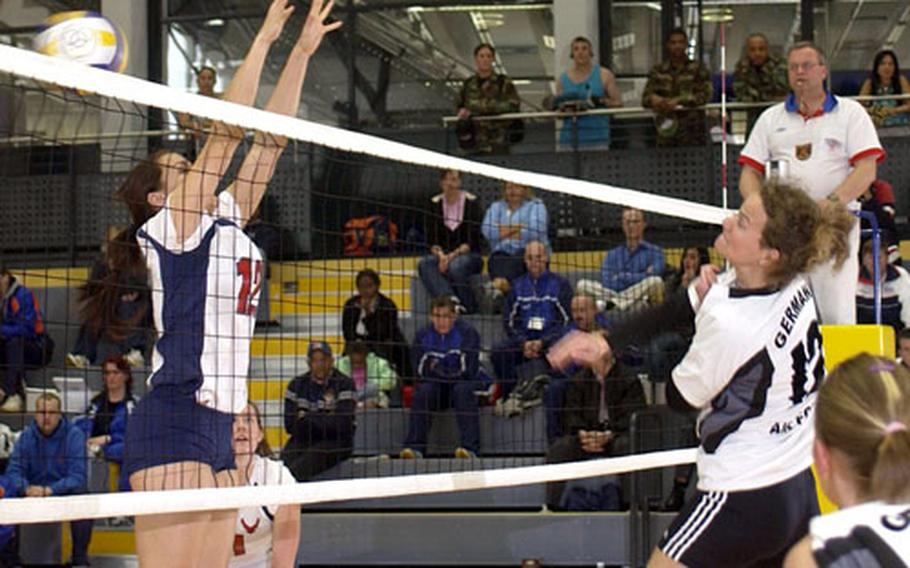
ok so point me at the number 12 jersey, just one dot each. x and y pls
(204, 296)
(753, 369)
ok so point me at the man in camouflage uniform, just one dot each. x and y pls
(486, 93)
(674, 86)
(759, 77)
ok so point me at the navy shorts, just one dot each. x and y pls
(170, 427)
(742, 528)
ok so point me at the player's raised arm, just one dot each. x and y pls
(259, 164)
(196, 193)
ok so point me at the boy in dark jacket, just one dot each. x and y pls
(446, 360)
(319, 415)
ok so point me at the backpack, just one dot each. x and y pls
(369, 236)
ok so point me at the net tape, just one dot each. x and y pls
(60, 72)
(27, 64)
(97, 506)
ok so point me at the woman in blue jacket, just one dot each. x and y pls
(509, 225)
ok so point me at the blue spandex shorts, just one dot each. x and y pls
(169, 427)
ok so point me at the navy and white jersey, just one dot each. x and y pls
(253, 529)
(753, 369)
(872, 535)
(205, 291)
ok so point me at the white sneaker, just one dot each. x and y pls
(77, 361)
(134, 359)
(13, 403)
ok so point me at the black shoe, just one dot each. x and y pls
(676, 499)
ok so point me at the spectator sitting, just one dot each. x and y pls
(49, 460)
(483, 94)
(675, 88)
(886, 79)
(690, 263)
(453, 233)
(373, 377)
(319, 415)
(903, 347)
(104, 422)
(126, 328)
(879, 200)
(23, 341)
(760, 76)
(895, 294)
(536, 311)
(582, 87)
(265, 535)
(631, 273)
(600, 400)
(585, 317)
(371, 317)
(509, 225)
(446, 356)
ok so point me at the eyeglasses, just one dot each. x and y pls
(805, 66)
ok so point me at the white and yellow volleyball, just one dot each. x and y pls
(83, 37)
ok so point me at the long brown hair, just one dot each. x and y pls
(125, 268)
(863, 412)
(805, 233)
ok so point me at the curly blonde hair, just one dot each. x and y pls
(804, 232)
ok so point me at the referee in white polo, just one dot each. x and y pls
(826, 145)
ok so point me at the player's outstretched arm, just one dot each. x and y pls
(259, 164)
(197, 192)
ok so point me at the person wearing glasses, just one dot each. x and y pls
(827, 146)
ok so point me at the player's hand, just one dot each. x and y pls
(314, 29)
(706, 279)
(275, 18)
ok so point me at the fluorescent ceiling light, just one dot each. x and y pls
(214, 23)
(481, 8)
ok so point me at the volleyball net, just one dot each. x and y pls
(346, 211)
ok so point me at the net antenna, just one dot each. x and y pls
(722, 16)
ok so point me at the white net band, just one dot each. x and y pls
(123, 87)
(56, 509)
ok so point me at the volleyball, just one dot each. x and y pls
(83, 37)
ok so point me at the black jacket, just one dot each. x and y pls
(468, 232)
(624, 396)
(320, 413)
(383, 336)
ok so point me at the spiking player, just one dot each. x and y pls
(752, 371)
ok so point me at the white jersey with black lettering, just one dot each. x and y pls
(205, 291)
(753, 370)
(871, 535)
(253, 529)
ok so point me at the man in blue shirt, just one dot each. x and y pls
(49, 459)
(537, 309)
(631, 274)
(446, 358)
